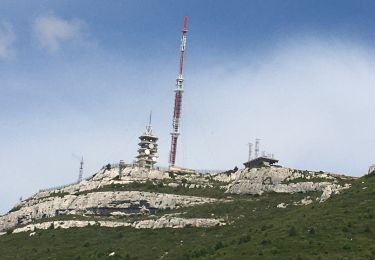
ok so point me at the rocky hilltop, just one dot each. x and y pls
(142, 198)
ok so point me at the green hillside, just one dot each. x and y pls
(341, 228)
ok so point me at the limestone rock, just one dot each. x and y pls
(332, 189)
(282, 205)
(163, 222)
(98, 203)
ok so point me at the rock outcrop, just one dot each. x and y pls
(280, 180)
(97, 196)
(98, 203)
(163, 222)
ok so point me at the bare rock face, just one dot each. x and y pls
(332, 189)
(98, 203)
(89, 199)
(281, 180)
(163, 222)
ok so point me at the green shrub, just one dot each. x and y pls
(218, 245)
(292, 231)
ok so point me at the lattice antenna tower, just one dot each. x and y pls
(80, 175)
(178, 99)
(250, 151)
(257, 143)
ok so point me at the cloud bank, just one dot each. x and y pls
(52, 31)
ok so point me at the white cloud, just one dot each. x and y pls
(311, 101)
(7, 37)
(52, 31)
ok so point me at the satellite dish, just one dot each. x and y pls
(154, 159)
(151, 146)
(147, 151)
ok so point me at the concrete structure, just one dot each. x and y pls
(176, 169)
(148, 148)
(259, 162)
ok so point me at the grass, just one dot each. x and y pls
(149, 186)
(341, 228)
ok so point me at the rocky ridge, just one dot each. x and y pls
(90, 197)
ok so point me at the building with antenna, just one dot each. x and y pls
(148, 148)
(263, 160)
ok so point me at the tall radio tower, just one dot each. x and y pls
(178, 99)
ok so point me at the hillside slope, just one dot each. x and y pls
(266, 216)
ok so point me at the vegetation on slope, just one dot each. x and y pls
(149, 186)
(341, 228)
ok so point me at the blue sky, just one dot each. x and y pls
(80, 77)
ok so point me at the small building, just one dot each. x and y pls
(262, 161)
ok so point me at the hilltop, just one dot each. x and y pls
(149, 214)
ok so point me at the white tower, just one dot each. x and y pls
(148, 148)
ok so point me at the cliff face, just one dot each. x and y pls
(282, 180)
(141, 198)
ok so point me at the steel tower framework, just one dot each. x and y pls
(80, 175)
(178, 99)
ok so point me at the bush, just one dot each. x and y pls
(274, 250)
(52, 226)
(199, 252)
(218, 245)
(244, 239)
(367, 229)
(292, 231)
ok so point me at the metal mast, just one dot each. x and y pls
(257, 141)
(178, 99)
(80, 171)
(250, 151)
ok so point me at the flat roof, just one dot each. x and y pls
(262, 158)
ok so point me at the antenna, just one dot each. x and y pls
(80, 170)
(257, 142)
(178, 99)
(149, 127)
(250, 151)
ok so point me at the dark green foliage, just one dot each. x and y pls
(15, 209)
(161, 187)
(292, 231)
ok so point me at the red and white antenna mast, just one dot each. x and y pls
(178, 99)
